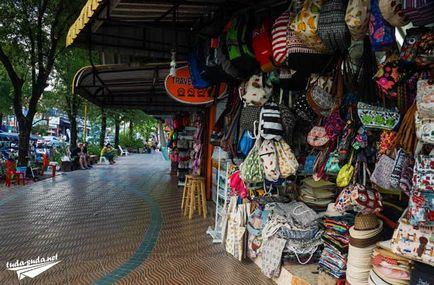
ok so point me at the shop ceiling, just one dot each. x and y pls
(142, 34)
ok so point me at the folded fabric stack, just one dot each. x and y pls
(336, 239)
(297, 225)
(317, 194)
(387, 267)
(365, 233)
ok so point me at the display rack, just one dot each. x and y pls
(185, 166)
(220, 197)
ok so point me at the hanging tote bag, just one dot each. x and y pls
(268, 155)
(383, 172)
(357, 18)
(261, 42)
(270, 125)
(419, 12)
(332, 28)
(376, 117)
(249, 115)
(256, 91)
(305, 24)
(288, 164)
(381, 33)
(252, 170)
(392, 12)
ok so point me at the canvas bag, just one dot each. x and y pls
(377, 117)
(305, 24)
(288, 163)
(421, 209)
(252, 170)
(346, 173)
(392, 12)
(270, 124)
(246, 142)
(357, 18)
(332, 28)
(256, 91)
(268, 155)
(317, 137)
(415, 243)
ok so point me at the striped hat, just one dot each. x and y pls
(279, 38)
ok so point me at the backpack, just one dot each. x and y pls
(261, 42)
(238, 41)
(196, 64)
(246, 142)
(256, 91)
(214, 61)
(270, 124)
(268, 155)
(279, 38)
(223, 58)
(332, 28)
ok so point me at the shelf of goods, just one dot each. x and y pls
(185, 147)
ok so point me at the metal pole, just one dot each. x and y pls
(85, 123)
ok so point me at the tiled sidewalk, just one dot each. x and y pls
(117, 224)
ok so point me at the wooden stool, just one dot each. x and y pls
(194, 196)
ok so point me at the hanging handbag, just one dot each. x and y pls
(319, 96)
(246, 143)
(346, 173)
(303, 110)
(317, 137)
(305, 24)
(388, 75)
(332, 28)
(357, 18)
(279, 37)
(288, 122)
(288, 163)
(249, 115)
(300, 57)
(392, 12)
(383, 171)
(423, 174)
(419, 12)
(309, 164)
(332, 166)
(270, 123)
(377, 117)
(381, 33)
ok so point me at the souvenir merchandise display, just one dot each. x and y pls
(389, 268)
(364, 234)
(336, 240)
(185, 142)
(328, 113)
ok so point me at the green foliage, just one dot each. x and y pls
(125, 141)
(41, 130)
(93, 149)
(5, 93)
(59, 153)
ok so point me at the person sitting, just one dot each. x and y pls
(86, 155)
(77, 154)
(107, 152)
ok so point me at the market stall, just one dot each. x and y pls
(316, 121)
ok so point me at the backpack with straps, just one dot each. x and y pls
(238, 41)
(196, 64)
(270, 124)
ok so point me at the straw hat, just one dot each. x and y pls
(332, 211)
(365, 222)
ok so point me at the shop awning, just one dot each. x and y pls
(150, 29)
(121, 86)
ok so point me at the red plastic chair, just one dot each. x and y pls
(11, 170)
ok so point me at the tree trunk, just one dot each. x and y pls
(117, 129)
(1, 121)
(103, 128)
(24, 141)
(73, 129)
(131, 130)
